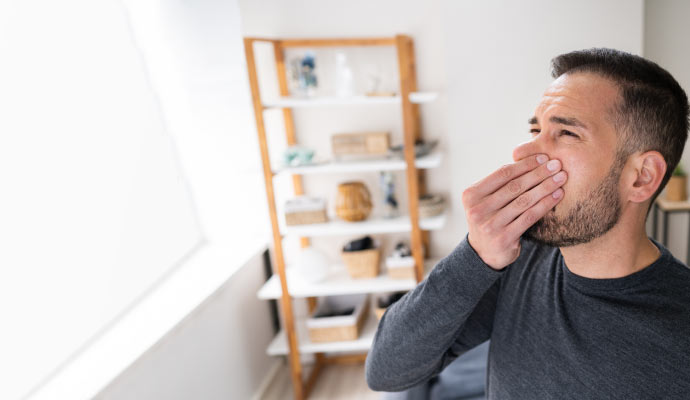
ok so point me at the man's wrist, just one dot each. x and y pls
(480, 258)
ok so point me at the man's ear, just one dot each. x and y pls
(649, 169)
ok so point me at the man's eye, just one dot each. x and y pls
(533, 131)
(568, 133)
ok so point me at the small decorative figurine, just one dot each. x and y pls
(307, 77)
(390, 202)
(301, 75)
(401, 250)
(296, 155)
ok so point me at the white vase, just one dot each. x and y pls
(344, 80)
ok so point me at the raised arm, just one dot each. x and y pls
(452, 310)
(420, 334)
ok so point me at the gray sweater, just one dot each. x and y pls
(554, 334)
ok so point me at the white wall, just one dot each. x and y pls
(195, 56)
(128, 140)
(93, 209)
(218, 352)
(665, 42)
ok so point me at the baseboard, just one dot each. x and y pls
(266, 382)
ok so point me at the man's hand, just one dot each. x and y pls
(502, 206)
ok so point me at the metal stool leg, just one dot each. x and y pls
(655, 221)
(687, 259)
(665, 238)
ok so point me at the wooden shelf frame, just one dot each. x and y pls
(415, 178)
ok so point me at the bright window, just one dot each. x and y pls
(108, 183)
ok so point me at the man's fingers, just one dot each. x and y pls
(517, 190)
(501, 207)
(502, 176)
(533, 214)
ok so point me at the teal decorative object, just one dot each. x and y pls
(298, 155)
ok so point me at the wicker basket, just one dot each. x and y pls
(363, 263)
(340, 328)
(378, 310)
(360, 144)
(401, 272)
(306, 217)
(402, 267)
(305, 210)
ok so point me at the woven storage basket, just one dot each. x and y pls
(401, 272)
(402, 267)
(363, 263)
(305, 210)
(306, 217)
(348, 330)
(360, 144)
(378, 310)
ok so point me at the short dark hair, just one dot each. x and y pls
(653, 111)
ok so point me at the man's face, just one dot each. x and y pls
(573, 123)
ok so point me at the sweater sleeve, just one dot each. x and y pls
(447, 314)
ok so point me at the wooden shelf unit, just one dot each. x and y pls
(292, 339)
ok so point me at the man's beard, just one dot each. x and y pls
(591, 217)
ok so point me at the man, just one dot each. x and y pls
(556, 268)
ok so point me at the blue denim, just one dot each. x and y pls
(462, 379)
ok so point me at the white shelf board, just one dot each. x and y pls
(432, 160)
(338, 282)
(423, 97)
(291, 101)
(279, 347)
(369, 226)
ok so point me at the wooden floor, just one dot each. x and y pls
(335, 382)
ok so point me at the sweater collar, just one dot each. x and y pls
(645, 275)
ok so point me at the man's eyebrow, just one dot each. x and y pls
(560, 120)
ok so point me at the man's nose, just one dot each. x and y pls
(527, 149)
